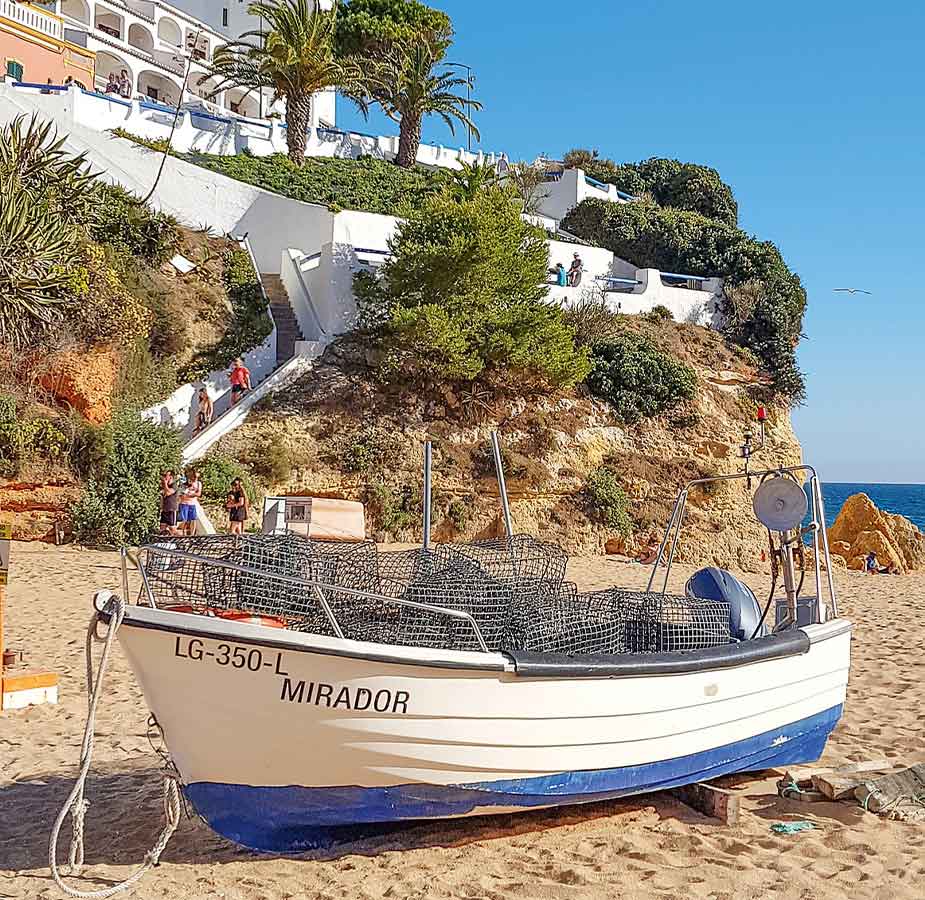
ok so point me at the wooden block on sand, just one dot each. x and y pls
(900, 793)
(710, 800)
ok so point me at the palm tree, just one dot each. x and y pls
(407, 87)
(294, 55)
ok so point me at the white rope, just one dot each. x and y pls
(76, 805)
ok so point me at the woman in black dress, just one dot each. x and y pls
(237, 506)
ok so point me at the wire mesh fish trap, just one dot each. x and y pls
(520, 560)
(513, 592)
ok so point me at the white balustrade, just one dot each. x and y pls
(30, 17)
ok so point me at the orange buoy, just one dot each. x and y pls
(232, 615)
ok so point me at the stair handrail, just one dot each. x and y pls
(244, 242)
(243, 406)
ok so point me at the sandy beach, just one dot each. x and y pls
(641, 848)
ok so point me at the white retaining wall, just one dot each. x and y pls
(558, 197)
(227, 136)
(194, 195)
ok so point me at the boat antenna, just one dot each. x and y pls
(428, 466)
(502, 489)
(749, 447)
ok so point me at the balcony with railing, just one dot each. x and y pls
(32, 17)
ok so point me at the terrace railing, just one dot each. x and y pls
(37, 19)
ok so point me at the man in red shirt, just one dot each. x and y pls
(240, 381)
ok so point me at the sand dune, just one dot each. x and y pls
(647, 847)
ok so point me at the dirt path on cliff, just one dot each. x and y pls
(644, 848)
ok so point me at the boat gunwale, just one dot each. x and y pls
(793, 643)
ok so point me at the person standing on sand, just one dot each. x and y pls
(237, 506)
(170, 500)
(189, 502)
(240, 381)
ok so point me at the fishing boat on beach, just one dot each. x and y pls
(304, 687)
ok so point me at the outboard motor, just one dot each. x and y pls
(722, 586)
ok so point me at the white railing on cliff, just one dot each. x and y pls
(205, 132)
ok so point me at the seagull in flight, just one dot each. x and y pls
(851, 291)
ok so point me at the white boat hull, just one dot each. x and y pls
(282, 738)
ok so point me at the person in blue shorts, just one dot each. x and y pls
(189, 502)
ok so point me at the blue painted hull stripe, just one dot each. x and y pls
(292, 818)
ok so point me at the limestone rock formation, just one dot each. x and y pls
(862, 528)
(37, 507)
(553, 445)
(84, 381)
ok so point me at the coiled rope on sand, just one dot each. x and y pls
(76, 804)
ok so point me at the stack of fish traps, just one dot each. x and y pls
(513, 590)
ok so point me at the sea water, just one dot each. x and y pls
(905, 499)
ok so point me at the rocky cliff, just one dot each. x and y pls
(338, 432)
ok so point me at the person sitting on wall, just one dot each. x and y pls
(576, 271)
(240, 381)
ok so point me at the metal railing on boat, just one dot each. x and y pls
(316, 588)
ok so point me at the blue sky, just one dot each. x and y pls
(812, 111)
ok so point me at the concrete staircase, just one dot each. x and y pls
(287, 326)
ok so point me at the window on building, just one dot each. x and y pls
(14, 69)
(225, 17)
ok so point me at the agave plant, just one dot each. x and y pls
(32, 155)
(42, 192)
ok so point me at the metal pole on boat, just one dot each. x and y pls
(502, 489)
(661, 549)
(428, 466)
(682, 505)
(824, 535)
(821, 612)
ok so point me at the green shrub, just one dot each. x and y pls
(367, 184)
(660, 313)
(591, 319)
(638, 379)
(131, 228)
(608, 501)
(676, 241)
(217, 471)
(250, 321)
(459, 513)
(396, 510)
(462, 296)
(159, 145)
(368, 451)
(668, 182)
(121, 502)
(24, 440)
(270, 459)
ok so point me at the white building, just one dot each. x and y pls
(150, 41)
